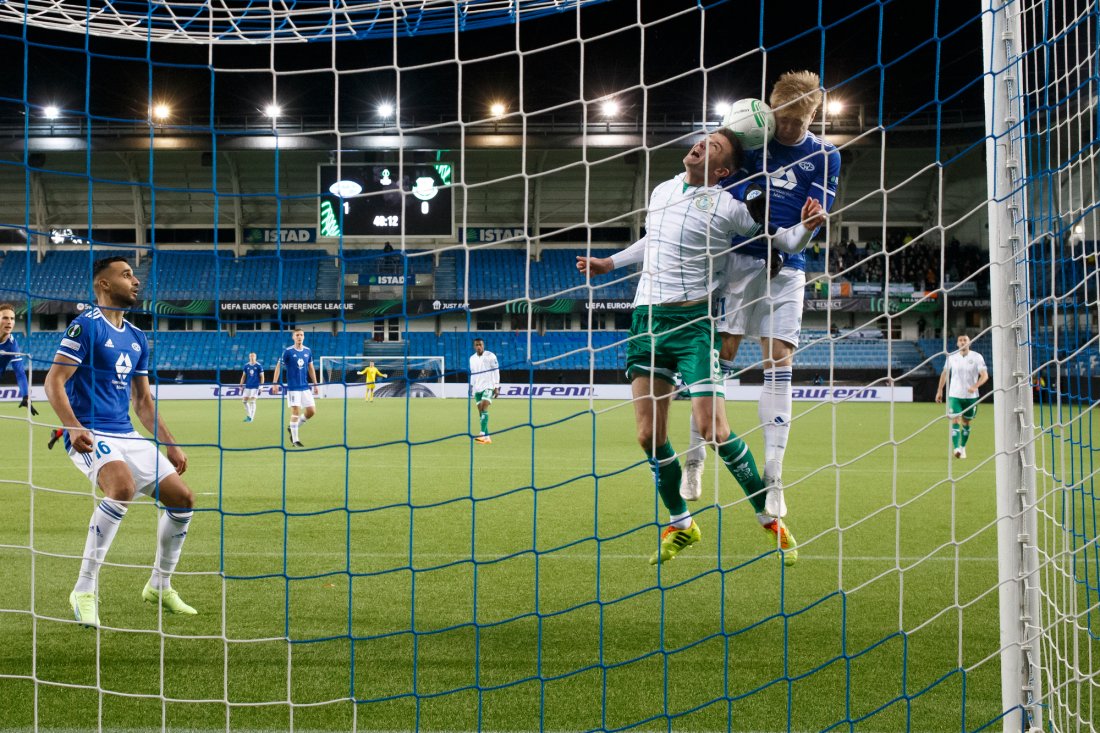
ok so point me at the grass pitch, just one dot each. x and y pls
(396, 576)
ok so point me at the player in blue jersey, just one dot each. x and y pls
(301, 383)
(10, 355)
(764, 288)
(102, 367)
(252, 377)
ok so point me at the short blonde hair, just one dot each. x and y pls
(797, 92)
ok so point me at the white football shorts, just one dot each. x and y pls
(250, 394)
(148, 465)
(299, 397)
(752, 304)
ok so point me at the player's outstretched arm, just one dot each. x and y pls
(631, 255)
(60, 373)
(593, 266)
(146, 409)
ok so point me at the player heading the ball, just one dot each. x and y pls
(689, 224)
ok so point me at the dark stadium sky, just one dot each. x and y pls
(721, 39)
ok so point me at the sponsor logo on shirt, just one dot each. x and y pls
(123, 367)
(785, 180)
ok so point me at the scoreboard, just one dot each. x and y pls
(385, 200)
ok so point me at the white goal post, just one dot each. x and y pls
(340, 376)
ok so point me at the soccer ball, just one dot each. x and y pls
(751, 121)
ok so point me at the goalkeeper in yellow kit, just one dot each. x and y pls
(371, 373)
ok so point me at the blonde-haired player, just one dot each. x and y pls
(762, 295)
(371, 373)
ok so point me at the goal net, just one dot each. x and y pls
(433, 177)
(399, 376)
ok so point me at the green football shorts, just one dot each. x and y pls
(962, 407)
(670, 340)
(485, 395)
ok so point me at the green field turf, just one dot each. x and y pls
(450, 586)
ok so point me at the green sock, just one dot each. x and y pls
(954, 435)
(738, 459)
(485, 423)
(965, 436)
(667, 467)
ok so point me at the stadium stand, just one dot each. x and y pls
(550, 352)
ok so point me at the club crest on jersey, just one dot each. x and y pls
(806, 165)
(704, 202)
(754, 194)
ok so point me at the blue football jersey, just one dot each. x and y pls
(10, 354)
(252, 374)
(296, 363)
(794, 172)
(108, 358)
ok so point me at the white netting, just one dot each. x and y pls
(392, 573)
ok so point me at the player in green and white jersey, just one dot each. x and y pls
(967, 374)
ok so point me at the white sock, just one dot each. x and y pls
(697, 448)
(252, 409)
(681, 521)
(774, 411)
(294, 429)
(171, 532)
(302, 420)
(101, 532)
